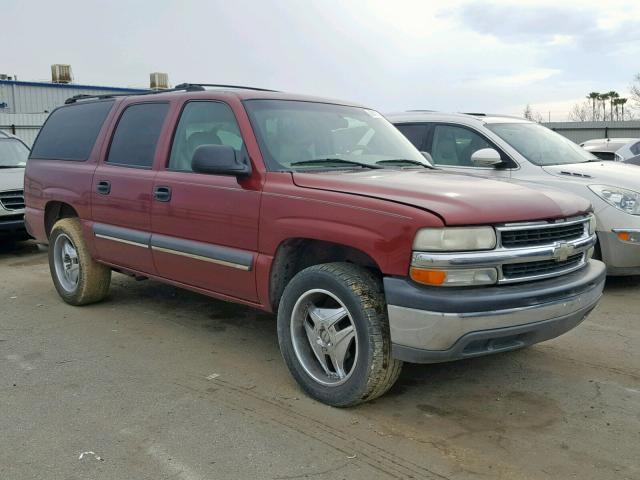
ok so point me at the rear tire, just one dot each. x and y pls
(334, 335)
(78, 278)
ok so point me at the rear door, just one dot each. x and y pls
(122, 188)
(205, 226)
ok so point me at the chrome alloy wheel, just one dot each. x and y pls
(324, 337)
(66, 261)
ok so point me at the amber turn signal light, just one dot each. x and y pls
(428, 277)
(624, 236)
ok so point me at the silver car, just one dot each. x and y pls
(517, 150)
(13, 159)
(616, 149)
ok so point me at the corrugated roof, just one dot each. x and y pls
(71, 85)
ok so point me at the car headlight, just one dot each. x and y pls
(621, 198)
(455, 239)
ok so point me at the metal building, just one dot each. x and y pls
(24, 106)
(580, 132)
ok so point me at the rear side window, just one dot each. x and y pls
(70, 132)
(635, 148)
(136, 136)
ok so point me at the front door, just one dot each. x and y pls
(122, 189)
(205, 227)
(451, 147)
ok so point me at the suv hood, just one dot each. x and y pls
(600, 173)
(457, 199)
(11, 178)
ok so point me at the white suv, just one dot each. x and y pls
(13, 160)
(515, 149)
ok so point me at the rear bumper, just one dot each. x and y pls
(434, 324)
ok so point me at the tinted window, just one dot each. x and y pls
(605, 155)
(415, 134)
(134, 141)
(203, 123)
(455, 145)
(70, 132)
(635, 148)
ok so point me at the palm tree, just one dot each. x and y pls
(622, 101)
(603, 97)
(593, 96)
(612, 97)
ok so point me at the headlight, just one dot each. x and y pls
(456, 239)
(625, 200)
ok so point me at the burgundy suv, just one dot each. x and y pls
(318, 210)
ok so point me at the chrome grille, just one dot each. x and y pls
(541, 236)
(13, 200)
(544, 267)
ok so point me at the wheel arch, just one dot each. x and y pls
(54, 211)
(295, 254)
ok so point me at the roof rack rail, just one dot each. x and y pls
(220, 85)
(185, 86)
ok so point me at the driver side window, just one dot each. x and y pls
(454, 145)
(203, 123)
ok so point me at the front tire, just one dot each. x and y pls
(334, 334)
(78, 278)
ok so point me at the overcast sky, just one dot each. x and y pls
(392, 55)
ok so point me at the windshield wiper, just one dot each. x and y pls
(406, 161)
(322, 161)
(12, 166)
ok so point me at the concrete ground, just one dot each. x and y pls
(160, 383)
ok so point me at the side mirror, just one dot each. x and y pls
(427, 156)
(218, 160)
(486, 157)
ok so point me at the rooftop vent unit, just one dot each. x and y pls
(61, 73)
(4, 76)
(159, 81)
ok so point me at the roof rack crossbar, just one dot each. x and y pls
(221, 85)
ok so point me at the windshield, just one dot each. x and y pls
(540, 145)
(295, 135)
(13, 153)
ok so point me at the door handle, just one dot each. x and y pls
(103, 187)
(162, 194)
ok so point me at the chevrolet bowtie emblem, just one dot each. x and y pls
(562, 252)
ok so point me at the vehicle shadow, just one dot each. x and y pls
(622, 283)
(10, 248)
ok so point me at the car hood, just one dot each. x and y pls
(11, 179)
(457, 199)
(600, 173)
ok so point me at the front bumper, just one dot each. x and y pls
(12, 225)
(431, 324)
(622, 258)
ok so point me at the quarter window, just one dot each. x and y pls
(70, 132)
(136, 136)
(454, 145)
(203, 123)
